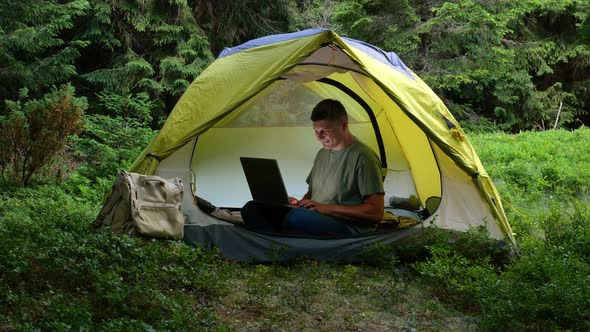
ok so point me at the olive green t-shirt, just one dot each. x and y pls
(345, 177)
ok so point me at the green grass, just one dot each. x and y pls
(57, 273)
(309, 295)
(534, 170)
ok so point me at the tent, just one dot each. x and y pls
(255, 100)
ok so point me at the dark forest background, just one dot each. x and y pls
(513, 64)
(108, 72)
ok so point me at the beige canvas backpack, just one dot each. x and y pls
(144, 205)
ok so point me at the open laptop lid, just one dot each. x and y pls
(265, 181)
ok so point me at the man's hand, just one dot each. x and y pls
(293, 201)
(307, 203)
(370, 210)
(313, 205)
(297, 202)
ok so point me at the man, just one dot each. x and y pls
(345, 194)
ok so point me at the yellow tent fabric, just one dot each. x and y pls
(405, 108)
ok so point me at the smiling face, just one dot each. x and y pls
(330, 133)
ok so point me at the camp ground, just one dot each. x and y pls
(255, 100)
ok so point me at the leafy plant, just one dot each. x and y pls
(547, 287)
(387, 24)
(58, 274)
(153, 49)
(36, 131)
(109, 144)
(457, 269)
(232, 22)
(138, 107)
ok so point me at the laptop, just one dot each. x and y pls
(265, 181)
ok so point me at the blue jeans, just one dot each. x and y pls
(264, 218)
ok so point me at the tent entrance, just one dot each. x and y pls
(276, 124)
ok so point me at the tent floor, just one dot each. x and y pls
(239, 244)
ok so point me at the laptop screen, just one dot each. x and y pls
(265, 181)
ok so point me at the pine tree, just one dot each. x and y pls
(232, 22)
(147, 47)
(33, 51)
(516, 62)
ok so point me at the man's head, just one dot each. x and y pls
(329, 109)
(330, 123)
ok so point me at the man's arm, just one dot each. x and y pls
(371, 210)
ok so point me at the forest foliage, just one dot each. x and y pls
(515, 63)
(504, 64)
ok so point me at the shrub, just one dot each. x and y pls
(137, 106)
(459, 268)
(109, 144)
(56, 274)
(479, 125)
(532, 169)
(35, 133)
(537, 164)
(545, 288)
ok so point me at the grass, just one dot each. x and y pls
(310, 295)
(57, 273)
(535, 170)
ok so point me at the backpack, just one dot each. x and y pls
(143, 205)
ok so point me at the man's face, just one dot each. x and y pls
(329, 133)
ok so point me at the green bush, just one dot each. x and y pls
(551, 163)
(110, 144)
(36, 132)
(532, 169)
(545, 288)
(58, 274)
(479, 126)
(459, 267)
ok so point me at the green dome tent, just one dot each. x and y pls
(256, 99)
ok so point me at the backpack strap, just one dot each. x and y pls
(134, 195)
(110, 200)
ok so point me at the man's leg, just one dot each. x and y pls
(312, 222)
(263, 218)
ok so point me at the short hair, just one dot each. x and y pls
(329, 109)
